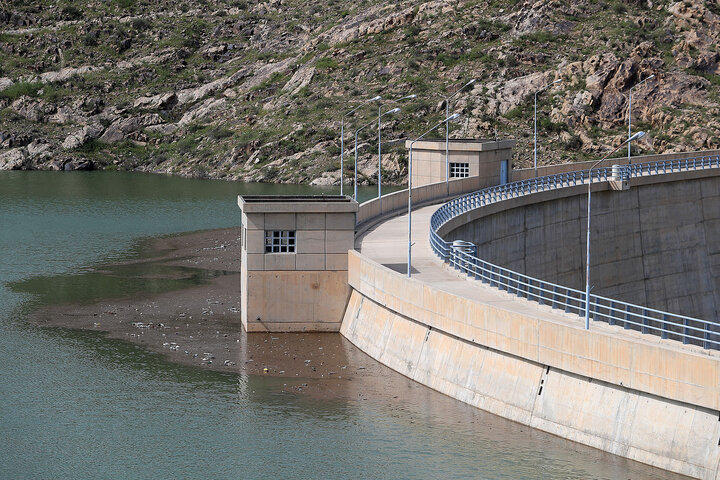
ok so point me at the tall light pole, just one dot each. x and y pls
(535, 122)
(630, 110)
(394, 110)
(342, 136)
(447, 129)
(406, 97)
(587, 244)
(409, 261)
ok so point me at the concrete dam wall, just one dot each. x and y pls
(656, 244)
(629, 394)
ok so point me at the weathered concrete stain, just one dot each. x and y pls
(639, 397)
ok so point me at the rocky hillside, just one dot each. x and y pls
(255, 91)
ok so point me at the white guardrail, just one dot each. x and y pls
(689, 330)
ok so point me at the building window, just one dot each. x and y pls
(459, 170)
(279, 241)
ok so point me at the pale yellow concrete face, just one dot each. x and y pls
(607, 353)
(295, 301)
(676, 436)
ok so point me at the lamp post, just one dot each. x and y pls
(535, 122)
(587, 244)
(409, 261)
(630, 110)
(447, 129)
(406, 97)
(342, 136)
(394, 110)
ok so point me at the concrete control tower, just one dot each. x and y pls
(489, 160)
(294, 262)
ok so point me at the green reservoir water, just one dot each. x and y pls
(76, 405)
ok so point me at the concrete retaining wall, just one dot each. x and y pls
(640, 397)
(653, 245)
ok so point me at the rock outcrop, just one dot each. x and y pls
(258, 92)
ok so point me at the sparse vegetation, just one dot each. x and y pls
(337, 57)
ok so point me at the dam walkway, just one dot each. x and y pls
(386, 244)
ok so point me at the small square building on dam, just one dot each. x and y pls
(488, 160)
(294, 261)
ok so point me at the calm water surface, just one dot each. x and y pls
(76, 405)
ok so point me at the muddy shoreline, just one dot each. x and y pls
(200, 325)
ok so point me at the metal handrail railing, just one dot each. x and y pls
(689, 330)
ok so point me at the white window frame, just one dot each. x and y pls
(459, 170)
(280, 241)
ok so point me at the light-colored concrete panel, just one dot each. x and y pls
(279, 261)
(336, 261)
(255, 261)
(339, 241)
(310, 241)
(280, 221)
(255, 242)
(310, 221)
(254, 221)
(339, 221)
(310, 261)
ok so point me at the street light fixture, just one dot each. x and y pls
(409, 261)
(587, 244)
(630, 109)
(535, 122)
(394, 110)
(406, 97)
(447, 129)
(342, 136)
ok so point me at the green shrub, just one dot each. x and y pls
(326, 63)
(17, 90)
(514, 113)
(549, 126)
(217, 132)
(71, 12)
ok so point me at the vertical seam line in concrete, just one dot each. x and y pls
(422, 349)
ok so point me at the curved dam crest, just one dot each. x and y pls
(654, 244)
(640, 396)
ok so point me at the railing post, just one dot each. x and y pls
(627, 317)
(685, 330)
(644, 328)
(554, 297)
(611, 314)
(664, 332)
(567, 301)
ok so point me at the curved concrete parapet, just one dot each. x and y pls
(628, 394)
(643, 397)
(458, 213)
